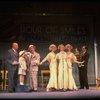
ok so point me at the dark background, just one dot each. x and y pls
(44, 22)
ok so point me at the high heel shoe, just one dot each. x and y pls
(48, 90)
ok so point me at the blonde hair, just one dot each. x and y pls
(68, 45)
(52, 46)
(61, 45)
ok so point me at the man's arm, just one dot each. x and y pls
(9, 60)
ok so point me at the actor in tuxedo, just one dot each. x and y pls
(83, 68)
(12, 65)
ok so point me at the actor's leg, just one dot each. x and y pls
(86, 78)
(81, 78)
(10, 80)
(31, 80)
(35, 73)
(15, 78)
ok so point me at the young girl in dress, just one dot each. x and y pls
(22, 67)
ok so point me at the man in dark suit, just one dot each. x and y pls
(12, 65)
(83, 68)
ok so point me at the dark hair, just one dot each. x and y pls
(78, 49)
(85, 47)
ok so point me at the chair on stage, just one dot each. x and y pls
(45, 77)
(2, 79)
(98, 83)
(6, 79)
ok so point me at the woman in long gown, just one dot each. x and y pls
(51, 58)
(70, 59)
(62, 68)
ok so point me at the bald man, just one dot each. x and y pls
(12, 65)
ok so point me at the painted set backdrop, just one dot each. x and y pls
(43, 29)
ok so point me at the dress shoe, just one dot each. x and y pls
(62, 90)
(76, 89)
(53, 89)
(31, 90)
(35, 90)
(87, 88)
(10, 91)
(13, 89)
(80, 88)
(48, 90)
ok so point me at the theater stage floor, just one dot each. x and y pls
(42, 94)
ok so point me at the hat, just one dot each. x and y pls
(31, 46)
(52, 46)
(60, 46)
(21, 52)
(68, 45)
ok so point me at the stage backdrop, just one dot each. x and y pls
(42, 30)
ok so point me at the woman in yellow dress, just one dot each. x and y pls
(51, 58)
(62, 68)
(70, 59)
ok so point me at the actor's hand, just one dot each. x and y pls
(15, 63)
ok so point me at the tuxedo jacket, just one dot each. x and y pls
(85, 58)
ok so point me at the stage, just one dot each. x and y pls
(42, 94)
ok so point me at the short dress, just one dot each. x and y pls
(22, 66)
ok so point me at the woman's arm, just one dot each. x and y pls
(46, 58)
(74, 59)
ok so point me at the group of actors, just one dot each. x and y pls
(60, 66)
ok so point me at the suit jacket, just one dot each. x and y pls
(12, 56)
(34, 59)
(85, 58)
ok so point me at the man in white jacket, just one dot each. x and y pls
(34, 60)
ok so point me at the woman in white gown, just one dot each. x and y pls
(70, 58)
(62, 68)
(51, 58)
